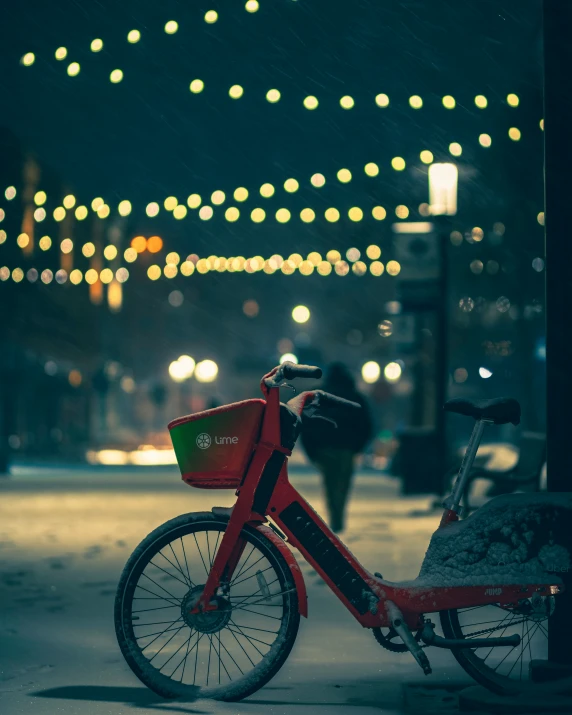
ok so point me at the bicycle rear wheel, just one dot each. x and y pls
(502, 670)
(226, 654)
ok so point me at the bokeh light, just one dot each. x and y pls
(370, 371)
(301, 314)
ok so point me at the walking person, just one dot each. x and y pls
(333, 449)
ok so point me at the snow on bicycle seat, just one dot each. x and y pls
(501, 411)
(512, 539)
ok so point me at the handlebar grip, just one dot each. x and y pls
(335, 401)
(290, 371)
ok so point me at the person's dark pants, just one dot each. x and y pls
(336, 467)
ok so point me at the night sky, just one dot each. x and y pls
(149, 137)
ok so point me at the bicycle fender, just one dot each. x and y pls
(292, 565)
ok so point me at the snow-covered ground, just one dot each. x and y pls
(64, 538)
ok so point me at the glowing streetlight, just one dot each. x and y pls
(443, 180)
(370, 372)
(392, 372)
(188, 365)
(206, 371)
(177, 371)
(301, 314)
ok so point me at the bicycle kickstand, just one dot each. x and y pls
(402, 629)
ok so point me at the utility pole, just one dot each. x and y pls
(558, 189)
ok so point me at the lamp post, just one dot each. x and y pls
(443, 181)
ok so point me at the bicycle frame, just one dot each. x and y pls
(265, 492)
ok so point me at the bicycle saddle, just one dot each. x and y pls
(501, 410)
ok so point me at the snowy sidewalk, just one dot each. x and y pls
(64, 540)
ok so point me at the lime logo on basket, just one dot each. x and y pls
(203, 440)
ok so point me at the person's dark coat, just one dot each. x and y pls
(355, 427)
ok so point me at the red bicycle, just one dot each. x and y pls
(209, 603)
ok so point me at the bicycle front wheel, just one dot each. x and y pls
(225, 654)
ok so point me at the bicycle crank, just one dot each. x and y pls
(398, 624)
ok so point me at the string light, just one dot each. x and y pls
(318, 180)
(69, 201)
(485, 140)
(481, 101)
(371, 169)
(382, 100)
(273, 95)
(240, 194)
(415, 101)
(258, 215)
(73, 69)
(344, 176)
(514, 134)
(124, 208)
(251, 6)
(291, 185)
(116, 76)
(197, 86)
(211, 17)
(218, 198)
(133, 36)
(512, 100)
(283, 215)
(449, 102)
(28, 59)
(180, 211)
(426, 156)
(171, 27)
(236, 91)
(310, 102)
(398, 163)
(267, 190)
(152, 209)
(61, 53)
(455, 149)
(347, 102)
(96, 45)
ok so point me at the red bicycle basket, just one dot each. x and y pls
(213, 447)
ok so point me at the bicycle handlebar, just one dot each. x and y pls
(289, 371)
(326, 398)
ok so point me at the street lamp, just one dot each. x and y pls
(206, 371)
(443, 181)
